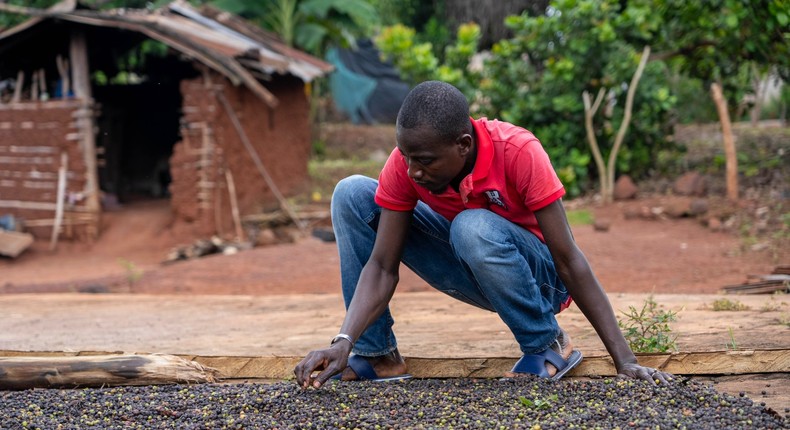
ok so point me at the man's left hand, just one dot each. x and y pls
(636, 371)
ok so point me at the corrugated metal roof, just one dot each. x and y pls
(221, 41)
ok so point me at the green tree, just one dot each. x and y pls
(312, 25)
(722, 43)
(9, 18)
(537, 78)
(417, 62)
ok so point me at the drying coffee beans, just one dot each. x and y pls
(526, 403)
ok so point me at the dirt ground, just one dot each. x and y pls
(635, 255)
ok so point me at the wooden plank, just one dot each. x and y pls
(13, 243)
(44, 206)
(686, 363)
(760, 287)
(710, 363)
(100, 370)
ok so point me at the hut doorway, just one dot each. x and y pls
(138, 125)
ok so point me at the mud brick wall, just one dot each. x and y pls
(211, 146)
(32, 138)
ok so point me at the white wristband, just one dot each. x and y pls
(342, 336)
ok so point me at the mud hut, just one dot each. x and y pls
(193, 105)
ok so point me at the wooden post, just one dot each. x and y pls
(63, 70)
(34, 86)
(42, 77)
(64, 161)
(234, 204)
(20, 82)
(82, 90)
(730, 155)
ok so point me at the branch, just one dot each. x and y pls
(684, 51)
(589, 111)
(22, 10)
(62, 6)
(629, 104)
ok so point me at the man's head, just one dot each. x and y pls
(435, 135)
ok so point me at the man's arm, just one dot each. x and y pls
(375, 289)
(575, 272)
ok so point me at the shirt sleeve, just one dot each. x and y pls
(396, 190)
(536, 178)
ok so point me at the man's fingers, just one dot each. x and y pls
(647, 375)
(321, 378)
(305, 369)
(663, 377)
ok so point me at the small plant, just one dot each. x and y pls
(648, 330)
(133, 273)
(538, 403)
(732, 345)
(579, 217)
(771, 306)
(729, 305)
(784, 320)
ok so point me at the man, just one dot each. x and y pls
(474, 208)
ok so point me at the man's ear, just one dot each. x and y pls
(464, 143)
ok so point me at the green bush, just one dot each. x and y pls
(647, 329)
(536, 80)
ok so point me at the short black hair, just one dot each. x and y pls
(439, 105)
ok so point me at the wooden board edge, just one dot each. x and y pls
(679, 363)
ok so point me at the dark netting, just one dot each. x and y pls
(367, 89)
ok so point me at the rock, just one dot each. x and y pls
(714, 224)
(285, 234)
(266, 237)
(631, 213)
(691, 184)
(602, 224)
(624, 188)
(324, 234)
(649, 213)
(698, 207)
(94, 289)
(676, 210)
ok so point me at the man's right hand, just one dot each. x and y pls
(327, 362)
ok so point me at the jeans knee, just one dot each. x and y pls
(470, 233)
(351, 189)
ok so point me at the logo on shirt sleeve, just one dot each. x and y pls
(495, 198)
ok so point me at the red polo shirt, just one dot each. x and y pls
(512, 177)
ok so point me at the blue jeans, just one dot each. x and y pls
(480, 258)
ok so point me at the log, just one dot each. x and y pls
(21, 373)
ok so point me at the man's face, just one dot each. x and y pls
(434, 163)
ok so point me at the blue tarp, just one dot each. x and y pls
(365, 88)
